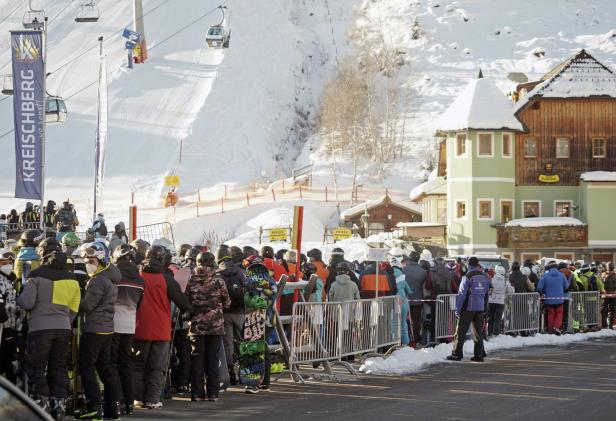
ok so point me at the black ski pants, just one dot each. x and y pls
(122, 364)
(474, 319)
(416, 319)
(8, 354)
(496, 319)
(181, 373)
(151, 359)
(205, 349)
(47, 362)
(95, 357)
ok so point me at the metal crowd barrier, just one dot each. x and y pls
(584, 309)
(446, 319)
(327, 332)
(522, 312)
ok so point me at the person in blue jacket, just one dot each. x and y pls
(552, 286)
(471, 304)
(403, 291)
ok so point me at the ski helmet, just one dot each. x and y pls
(47, 246)
(141, 246)
(71, 240)
(344, 268)
(315, 254)
(337, 252)
(124, 252)
(236, 254)
(158, 253)
(96, 249)
(30, 238)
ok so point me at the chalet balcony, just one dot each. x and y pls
(542, 233)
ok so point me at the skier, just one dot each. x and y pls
(153, 328)
(141, 247)
(416, 278)
(98, 307)
(118, 237)
(99, 229)
(276, 269)
(471, 303)
(315, 257)
(207, 297)
(66, 218)
(371, 281)
(28, 218)
(439, 282)
(518, 280)
(27, 254)
(52, 298)
(552, 287)
(336, 257)
(130, 293)
(500, 289)
(608, 307)
(343, 288)
(50, 214)
(316, 295)
(234, 314)
(12, 323)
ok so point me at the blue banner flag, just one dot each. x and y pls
(29, 112)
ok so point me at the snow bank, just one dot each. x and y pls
(598, 176)
(544, 222)
(407, 360)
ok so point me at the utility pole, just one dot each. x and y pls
(141, 52)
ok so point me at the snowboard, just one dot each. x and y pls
(254, 346)
(223, 369)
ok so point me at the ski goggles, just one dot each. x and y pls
(7, 255)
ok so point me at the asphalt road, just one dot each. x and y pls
(573, 382)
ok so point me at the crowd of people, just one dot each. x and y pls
(149, 321)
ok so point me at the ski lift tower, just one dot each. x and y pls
(140, 53)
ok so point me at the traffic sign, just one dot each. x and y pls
(172, 180)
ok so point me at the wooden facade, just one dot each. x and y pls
(578, 119)
(383, 217)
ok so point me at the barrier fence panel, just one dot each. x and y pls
(584, 309)
(153, 232)
(446, 319)
(330, 331)
(522, 313)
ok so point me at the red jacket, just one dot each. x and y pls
(276, 268)
(154, 313)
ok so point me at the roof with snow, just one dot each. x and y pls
(544, 222)
(435, 186)
(598, 176)
(580, 76)
(480, 106)
(371, 204)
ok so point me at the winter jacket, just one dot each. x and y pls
(98, 303)
(154, 312)
(610, 283)
(52, 296)
(473, 293)
(343, 289)
(416, 278)
(322, 271)
(439, 281)
(130, 292)
(317, 295)
(368, 282)
(26, 254)
(500, 288)
(66, 220)
(275, 268)
(8, 295)
(233, 277)
(520, 282)
(207, 296)
(553, 285)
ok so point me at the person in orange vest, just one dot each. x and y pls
(275, 268)
(316, 258)
(386, 282)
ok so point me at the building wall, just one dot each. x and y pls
(598, 204)
(547, 195)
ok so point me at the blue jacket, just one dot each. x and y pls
(473, 292)
(553, 284)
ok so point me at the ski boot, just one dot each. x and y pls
(42, 402)
(111, 411)
(91, 412)
(127, 409)
(58, 408)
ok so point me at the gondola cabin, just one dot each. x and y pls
(88, 12)
(218, 37)
(55, 110)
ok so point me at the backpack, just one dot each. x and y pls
(592, 283)
(610, 283)
(102, 229)
(235, 286)
(441, 280)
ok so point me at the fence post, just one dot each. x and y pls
(197, 202)
(225, 191)
(273, 194)
(324, 234)
(260, 235)
(300, 192)
(325, 194)
(283, 186)
(222, 204)
(199, 195)
(247, 200)
(254, 186)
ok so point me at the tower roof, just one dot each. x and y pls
(579, 76)
(480, 106)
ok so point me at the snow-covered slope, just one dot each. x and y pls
(233, 111)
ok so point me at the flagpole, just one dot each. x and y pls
(97, 146)
(41, 210)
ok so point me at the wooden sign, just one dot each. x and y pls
(549, 178)
(278, 234)
(542, 237)
(341, 233)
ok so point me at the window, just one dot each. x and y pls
(460, 209)
(485, 144)
(531, 208)
(562, 147)
(506, 145)
(506, 210)
(441, 211)
(484, 208)
(460, 145)
(599, 149)
(530, 148)
(563, 208)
